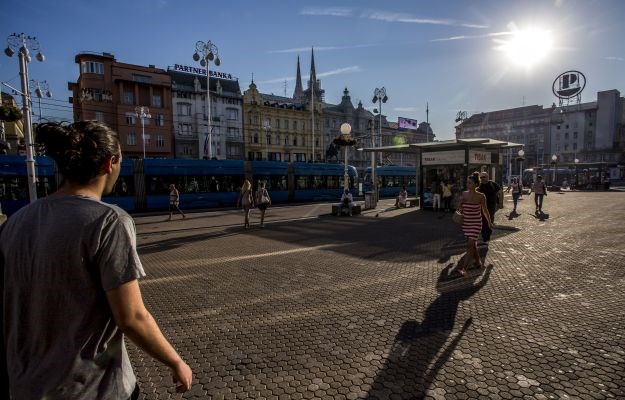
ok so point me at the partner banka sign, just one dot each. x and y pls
(202, 71)
(568, 85)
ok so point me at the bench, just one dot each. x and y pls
(336, 209)
(411, 202)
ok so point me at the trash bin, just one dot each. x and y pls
(370, 200)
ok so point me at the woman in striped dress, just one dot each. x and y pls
(473, 204)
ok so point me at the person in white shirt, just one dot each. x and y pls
(347, 201)
(400, 201)
(540, 190)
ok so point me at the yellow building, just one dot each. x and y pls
(12, 135)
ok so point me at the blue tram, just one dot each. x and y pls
(391, 178)
(143, 184)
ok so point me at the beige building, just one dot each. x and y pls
(11, 133)
(111, 92)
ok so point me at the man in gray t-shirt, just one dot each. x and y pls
(69, 270)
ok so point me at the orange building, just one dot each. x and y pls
(113, 92)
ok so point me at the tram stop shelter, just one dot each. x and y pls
(451, 161)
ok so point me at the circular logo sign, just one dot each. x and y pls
(569, 84)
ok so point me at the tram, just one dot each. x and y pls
(143, 184)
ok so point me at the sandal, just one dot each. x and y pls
(461, 271)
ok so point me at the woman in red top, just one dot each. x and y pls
(472, 205)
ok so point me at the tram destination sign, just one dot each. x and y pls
(202, 71)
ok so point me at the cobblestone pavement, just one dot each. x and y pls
(321, 307)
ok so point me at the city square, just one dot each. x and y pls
(315, 306)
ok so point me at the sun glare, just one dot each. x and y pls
(526, 47)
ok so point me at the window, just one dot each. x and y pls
(294, 141)
(256, 138)
(99, 116)
(303, 126)
(233, 113)
(233, 133)
(92, 67)
(160, 120)
(130, 118)
(255, 120)
(156, 101)
(277, 123)
(566, 135)
(566, 147)
(294, 125)
(131, 139)
(286, 124)
(268, 139)
(97, 95)
(286, 140)
(259, 155)
(301, 157)
(128, 98)
(160, 141)
(184, 109)
(184, 129)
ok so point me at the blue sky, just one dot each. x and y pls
(442, 52)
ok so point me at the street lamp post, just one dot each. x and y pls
(21, 43)
(576, 176)
(143, 113)
(379, 96)
(346, 129)
(554, 159)
(521, 154)
(267, 127)
(204, 53)
(41, 89)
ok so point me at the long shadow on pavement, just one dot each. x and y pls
(414, 236)
(414, 361)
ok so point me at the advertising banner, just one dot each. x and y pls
(407, 123)
(443, 157)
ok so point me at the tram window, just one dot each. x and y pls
(334, 182)
(193, 183)
(272, 182)
(124, 186)
(302, 182)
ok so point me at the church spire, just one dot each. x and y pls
(313, 73)
(298, 94)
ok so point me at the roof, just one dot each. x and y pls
(184, 81)
(444, 145)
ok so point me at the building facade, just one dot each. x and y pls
(112, 92)
(190, 117)
(588, 132)
(11, 133)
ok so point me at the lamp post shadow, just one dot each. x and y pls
(422, 348)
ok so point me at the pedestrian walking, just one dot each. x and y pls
(437, 192)
(70, 291)
(246, 201)
(540, 190)
(448, 194)
(474, 207)
(263, 200)
(174, 201)
(492, 191)
(517, 189)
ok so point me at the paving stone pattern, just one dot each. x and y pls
(364, 307)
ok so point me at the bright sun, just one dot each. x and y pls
(526, 47)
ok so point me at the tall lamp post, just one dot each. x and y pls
(379, 96)
(554, 160)
(576, 176)
(22, 43)
(205, 52)
(267, 127)
(345, 140)
(521, 155)
(41, 89)
(143, 113)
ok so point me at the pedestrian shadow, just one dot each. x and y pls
(541, 216)
(513, 215)
(414, 360)
(452, 247)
